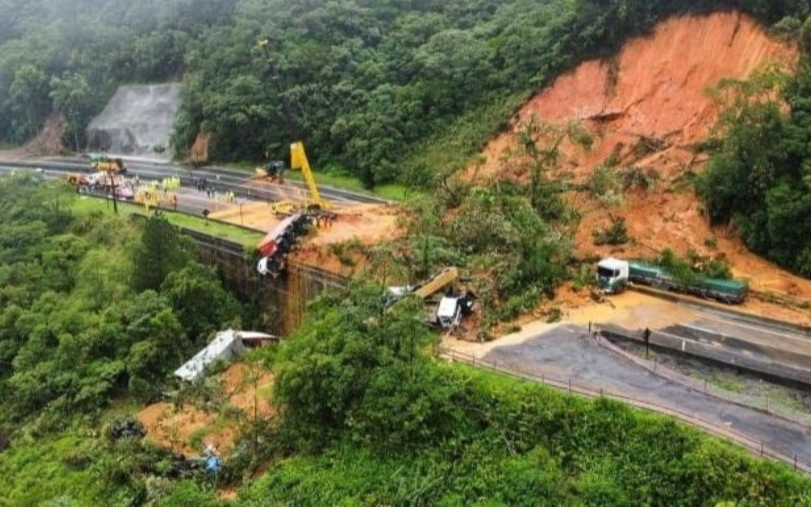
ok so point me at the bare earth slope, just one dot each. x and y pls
(656, 87)
(654, 93)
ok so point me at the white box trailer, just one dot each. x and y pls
(226, 346)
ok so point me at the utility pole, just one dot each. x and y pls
(646, 337)
(112, 189)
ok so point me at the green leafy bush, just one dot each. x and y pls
(615, 234)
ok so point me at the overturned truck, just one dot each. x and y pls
(275, 246)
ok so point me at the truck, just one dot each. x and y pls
(95, 181)
(275, 246)
(615, 275)
(452, 306)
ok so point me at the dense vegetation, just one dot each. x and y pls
(759, 178)
(97, 311)
(69, 56)
(371, 419)
(403, 90)
(382, 90)
(93, 307)
(513, 239)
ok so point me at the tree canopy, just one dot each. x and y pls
(79, 325)
(375, 86)
(759, 177)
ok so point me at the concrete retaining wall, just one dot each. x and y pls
(709, 352)
(281, 302)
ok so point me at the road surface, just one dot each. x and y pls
(733, 338)
(566, 352)
(222, 178)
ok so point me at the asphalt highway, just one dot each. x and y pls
(734, 338)
(189, 200)
(566, 353)
(222, 178)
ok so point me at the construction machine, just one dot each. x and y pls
(298, 156)
(107, 164)
(452, 306)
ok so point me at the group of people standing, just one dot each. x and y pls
(324, 220)
(211, 191)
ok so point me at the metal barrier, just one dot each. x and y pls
(707, 351)
(756, 447)
(703, 387)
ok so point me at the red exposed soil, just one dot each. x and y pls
(173, 427)
(198, 155)
(47, 143)
(656, 90)
(248, 389)
(656, 87)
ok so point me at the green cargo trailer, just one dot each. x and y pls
(645, 273)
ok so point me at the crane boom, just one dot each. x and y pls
(298, 156)
(298, 160)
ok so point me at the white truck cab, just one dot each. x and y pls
(267, 266)
(612, 275)
(449, 313)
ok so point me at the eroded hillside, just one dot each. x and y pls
(649, 108)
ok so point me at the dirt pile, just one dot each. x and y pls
(248, 389)
(186, 429)
(176, 428)
(49, 140)
(648, 107)
(198, 155)
(47, 143)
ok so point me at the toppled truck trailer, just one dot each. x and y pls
(226, 346)
(275, 246)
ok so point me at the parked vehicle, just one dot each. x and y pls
(614, 275)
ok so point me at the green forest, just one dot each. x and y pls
(404, 91)
(759, 176)
(99, 309)
(382, 90)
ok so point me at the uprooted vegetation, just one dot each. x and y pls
(511, 236)
(616, 234)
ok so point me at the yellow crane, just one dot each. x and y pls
(298, 155)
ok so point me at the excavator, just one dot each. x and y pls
(298, 156)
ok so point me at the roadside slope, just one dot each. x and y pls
(649, 108)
